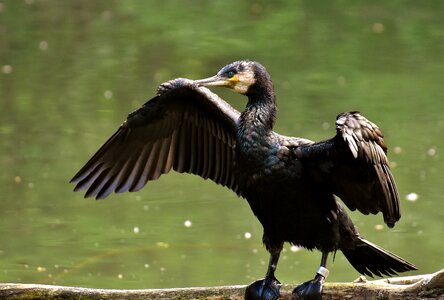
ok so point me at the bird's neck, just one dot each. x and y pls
(260, 112)
(257, 120)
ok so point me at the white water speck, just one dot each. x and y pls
(108, 94)
(187, 223)
(41, 269)
(431, 152)
(294, 248)
(412, 197)
(43, 45)
(247, 235)
(7, 69)
(162, 245)
(379, 227)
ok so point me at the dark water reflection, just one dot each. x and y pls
(72, 70)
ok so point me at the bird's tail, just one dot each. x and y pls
(370, 259)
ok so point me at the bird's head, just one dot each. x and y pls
(241, 76)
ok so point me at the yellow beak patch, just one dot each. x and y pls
(233, 80)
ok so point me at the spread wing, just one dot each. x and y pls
(184, 127)
(355, 166)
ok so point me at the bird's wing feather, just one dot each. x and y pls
(184, 127)
(355, 166)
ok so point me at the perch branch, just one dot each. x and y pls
(411, 287)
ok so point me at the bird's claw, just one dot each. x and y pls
(173, 84)
(310, 290)
(263, 289)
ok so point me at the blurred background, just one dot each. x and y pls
(70, 72)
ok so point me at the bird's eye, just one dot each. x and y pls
(230, 74)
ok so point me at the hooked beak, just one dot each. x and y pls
(215, 80)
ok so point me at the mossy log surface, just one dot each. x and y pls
(430, 286)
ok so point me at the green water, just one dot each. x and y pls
(72, 70)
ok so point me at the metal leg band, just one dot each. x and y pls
(323, 271)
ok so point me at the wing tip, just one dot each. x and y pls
(77, 178)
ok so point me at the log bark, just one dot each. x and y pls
(430, 286)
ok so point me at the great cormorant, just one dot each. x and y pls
(290, 183)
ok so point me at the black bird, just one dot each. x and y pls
(290, 183)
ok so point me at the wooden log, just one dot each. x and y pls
(430, 286)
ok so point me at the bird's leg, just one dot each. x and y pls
(267, 288)
(311, 290)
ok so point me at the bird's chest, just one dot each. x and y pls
(260, 157)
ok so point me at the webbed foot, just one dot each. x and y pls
(310, 290)
(263, 289)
